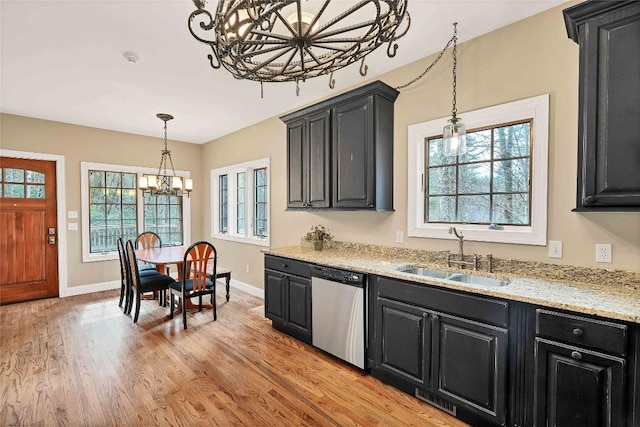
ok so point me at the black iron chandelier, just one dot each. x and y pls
(164, 184)
(294, 40)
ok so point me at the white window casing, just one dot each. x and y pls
(232, 234)
(536, 108)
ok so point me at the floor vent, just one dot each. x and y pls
(436, 401)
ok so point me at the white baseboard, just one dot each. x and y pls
(250, 289)
(87, 289)
(115, 284)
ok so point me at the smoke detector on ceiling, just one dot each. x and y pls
(131, 56)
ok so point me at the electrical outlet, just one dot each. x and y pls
(247, 268)
(399, 236)
(603, 252)
(555, 249)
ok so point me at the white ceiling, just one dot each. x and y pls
(63, 61)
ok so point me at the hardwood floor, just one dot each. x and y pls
(80, 361)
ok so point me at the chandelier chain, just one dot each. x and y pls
(435, 61)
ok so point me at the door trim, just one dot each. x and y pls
(60, 210)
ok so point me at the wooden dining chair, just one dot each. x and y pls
(141, 283)
(125, 287)
(197, 283)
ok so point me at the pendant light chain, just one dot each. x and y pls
(454, 110)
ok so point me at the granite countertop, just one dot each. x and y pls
(581, 290)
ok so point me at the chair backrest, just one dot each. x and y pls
(134, 274)
(124, 275)
(200, 254)
(147, 240)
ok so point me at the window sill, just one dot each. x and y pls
(242, 239)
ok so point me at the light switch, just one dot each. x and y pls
(72, 214)
(72, 226)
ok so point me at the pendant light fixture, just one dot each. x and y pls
(164, 184)
(454, 138)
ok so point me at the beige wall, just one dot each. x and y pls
(528, 58)
(78, 144)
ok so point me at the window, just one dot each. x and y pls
(240, 202)
(163, 216)
(497, 191)
(113, 207)
(487, 185)
(260, 202)
(223, 199)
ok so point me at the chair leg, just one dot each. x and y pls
(171, 304)
(213, 303)
(135, 318)
(200, 303)
(128, 302)
(121, 295)
(184, 311)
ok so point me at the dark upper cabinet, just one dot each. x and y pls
(340, 151)
(608, 33)
(308, 155)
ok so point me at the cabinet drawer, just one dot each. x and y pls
(597, 334)
(494, 312)
(287, 265)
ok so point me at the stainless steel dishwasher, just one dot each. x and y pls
(338, 313)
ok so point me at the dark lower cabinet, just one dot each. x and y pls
(288, 297)
(470, 364)
(404, 347)
(452, 362)
(577, 387)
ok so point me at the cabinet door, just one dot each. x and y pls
(296, 167)
(274, 295)
(402, 341)
(299, 305)
(353, 154)
(470, 365)
(318, 174)
(576, 387)
(609, 147)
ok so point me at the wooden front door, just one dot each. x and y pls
(28, 230)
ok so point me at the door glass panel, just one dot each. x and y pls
(35, 192)
(14, 190)
(14, 175)
(34, 177)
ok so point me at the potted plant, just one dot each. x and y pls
(318, 235)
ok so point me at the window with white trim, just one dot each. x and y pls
(113, 207)
(497, 191)
(240, 202)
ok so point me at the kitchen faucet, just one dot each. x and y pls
(452, 230)
(461, 262)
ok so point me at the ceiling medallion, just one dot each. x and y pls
(291, 41)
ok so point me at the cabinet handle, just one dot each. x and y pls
(577, 332)
(576, 355)
(589, 200)
(285, 266)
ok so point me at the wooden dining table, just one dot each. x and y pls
(164, 256)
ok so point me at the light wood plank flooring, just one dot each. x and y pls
(79, 361)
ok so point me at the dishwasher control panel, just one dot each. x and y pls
(336, 275)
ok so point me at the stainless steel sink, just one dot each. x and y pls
(421, 271)
(476, 280)
(456, 277)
